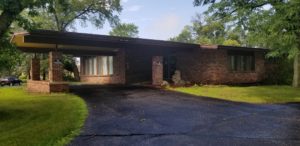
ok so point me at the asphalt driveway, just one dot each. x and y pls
(144, 116)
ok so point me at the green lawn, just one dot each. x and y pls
(252, 94)
(39, 119)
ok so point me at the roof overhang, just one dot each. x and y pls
(43, 41)
(77, 43)
(27, 42)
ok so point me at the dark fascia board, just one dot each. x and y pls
(242, 48)
(83, 39)
(69, 51)
(73, 38)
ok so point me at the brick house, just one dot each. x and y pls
(121, 60)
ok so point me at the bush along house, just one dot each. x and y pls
(121, 60)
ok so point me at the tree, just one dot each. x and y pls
(10, 59)
(62, 15)
(231, 43)
(125, 30)
(206, 31)
(11, 10)
(186, 35)
(273, 23)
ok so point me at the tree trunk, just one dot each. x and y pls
(296, 77)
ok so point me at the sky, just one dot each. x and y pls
(156, 19)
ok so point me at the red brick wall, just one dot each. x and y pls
(207, 66)
(46, 86)
(118, 76)
(55, 67)
(35, 69)
(211, 66)
(157, 70)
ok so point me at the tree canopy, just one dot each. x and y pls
(63, 15)
(10, 11)
(206, 31)
(125, 30)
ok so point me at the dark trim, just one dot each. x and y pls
(69, 51)
(113, 42)
(242, 48)
(81, 39)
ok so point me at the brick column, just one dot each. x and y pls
(55, 67)
(35, 69)
(157, 70)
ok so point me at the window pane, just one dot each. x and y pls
(104, 65)
(100, 65)
(95, 65)
(238, 63)
(248, 63)
(90, 66)
(86, 66)
(232, 64)
(242, 63)
(252, 60)
(111, 65)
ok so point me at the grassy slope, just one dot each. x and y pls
(39, 119)
(252, 94)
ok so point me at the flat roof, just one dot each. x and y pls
(40, 41)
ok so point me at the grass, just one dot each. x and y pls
(251, 94)
(39, 119)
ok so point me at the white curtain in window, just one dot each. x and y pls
(99, 65)
(90, 66)
(86, 66)
(94, 65)
(104, 65)
(111, 65)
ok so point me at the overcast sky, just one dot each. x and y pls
(156, 19)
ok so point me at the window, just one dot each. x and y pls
(241, 61)
(101, 65)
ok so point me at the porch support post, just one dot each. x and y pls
(55, 67)
(157, 70)
(35, 69)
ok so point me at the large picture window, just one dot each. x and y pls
(100, 65)
(242, 61)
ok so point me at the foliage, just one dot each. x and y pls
(206, 31)
(279, 71)
(10, 11)
(39, 119)
(10, 59)
(95, 12)
(231, 43)
(251, 94)
(186, 35)
(125, 30)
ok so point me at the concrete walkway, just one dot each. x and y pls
(143, 116)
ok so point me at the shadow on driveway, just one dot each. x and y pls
(144, 116)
